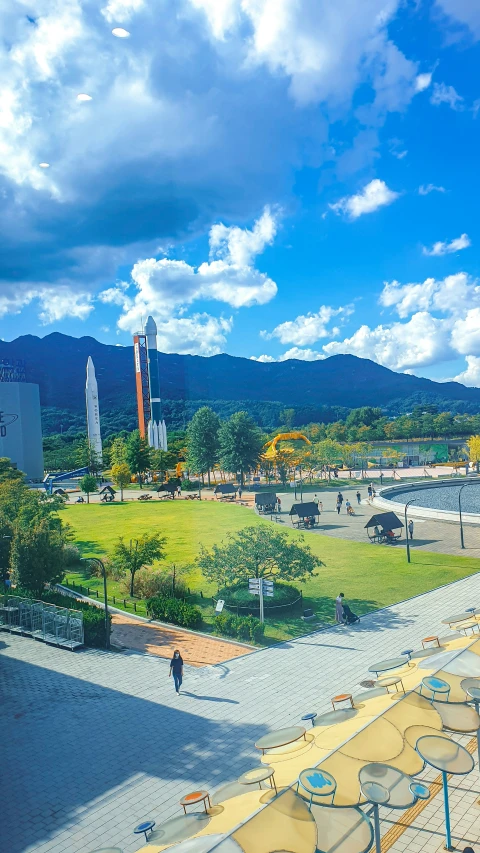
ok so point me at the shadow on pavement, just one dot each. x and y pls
(70, 744)
(209, 698)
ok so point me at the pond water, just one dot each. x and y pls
(442, 497)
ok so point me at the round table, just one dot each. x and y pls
(420, 791)
(385, 665)
(448, 757)
(395, 781)
(280, 738)
(378, 795)
(459, 617)
(146, 826)
(317, 783)
(435, 685)
(194, 798)
(342, 830)
(258, 775)
(472, 689)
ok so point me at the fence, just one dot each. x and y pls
(47, 622)
(269, 609)
(136, 606)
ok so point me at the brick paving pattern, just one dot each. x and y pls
(196, 649)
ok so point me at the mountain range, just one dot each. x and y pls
(57, 363)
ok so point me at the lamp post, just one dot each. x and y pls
(462, 542)
(104, 575)
(406, 527)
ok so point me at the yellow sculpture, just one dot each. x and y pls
(272, 452)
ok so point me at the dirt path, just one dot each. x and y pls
(157, 640)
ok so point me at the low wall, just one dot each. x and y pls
(416, 511)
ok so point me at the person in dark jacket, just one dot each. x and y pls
(176, 668)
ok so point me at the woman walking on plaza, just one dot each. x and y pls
(176, 667)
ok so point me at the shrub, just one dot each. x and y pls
(244, 628)
(150, 584)
(71, 554)
(190, 485)
(175, 611)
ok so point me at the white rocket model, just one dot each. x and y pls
(156, 429)
(93, 412)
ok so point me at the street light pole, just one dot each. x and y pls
(462, 542)
(104, 575)
(406, 527)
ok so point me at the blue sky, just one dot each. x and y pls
(270, 178)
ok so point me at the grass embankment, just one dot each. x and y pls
(370, 576)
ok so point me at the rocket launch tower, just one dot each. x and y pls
(150, 422)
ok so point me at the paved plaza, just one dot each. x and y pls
(94, 741)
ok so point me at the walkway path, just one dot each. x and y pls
(429, 535)
(92, 742)
(196, 649)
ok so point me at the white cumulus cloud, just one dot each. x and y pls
(471, 375)
(294, 352)
(447, 248)
(422, 341)
(450, 295)
(308, 328)
(466, 333)
(374, 195)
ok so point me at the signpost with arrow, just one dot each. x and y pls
(260, 587)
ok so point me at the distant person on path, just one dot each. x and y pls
(410, 528)
(176, 668)
(369, 490)
(339, 506)
(340, 497)
(348, 505)
(320, 506)
(279, 505)
(240, 494)
(339, 608)
(359, 498)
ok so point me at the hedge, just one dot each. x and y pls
(285, 598)
(243, 628)
(174, 611)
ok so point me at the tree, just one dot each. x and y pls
(203, 441)
(138, 454)
(86, 456)
(8, 472)
(473, 444)
(287, 417)
(162, 460)
(6, 538)
(257, 552)
(88, 484)
(121, 476)
(38, 556)
(241, 444)
(327, 453)
(138, 554)
(118, 451)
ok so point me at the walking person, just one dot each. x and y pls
(410, 528)
(339, 506)
(359, 498)
(369, 491)
(340, 498)
(176, 668)
(339, 608)
(240, 493)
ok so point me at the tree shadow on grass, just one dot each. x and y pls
(71, 744)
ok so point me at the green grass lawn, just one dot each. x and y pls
(371, 576)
